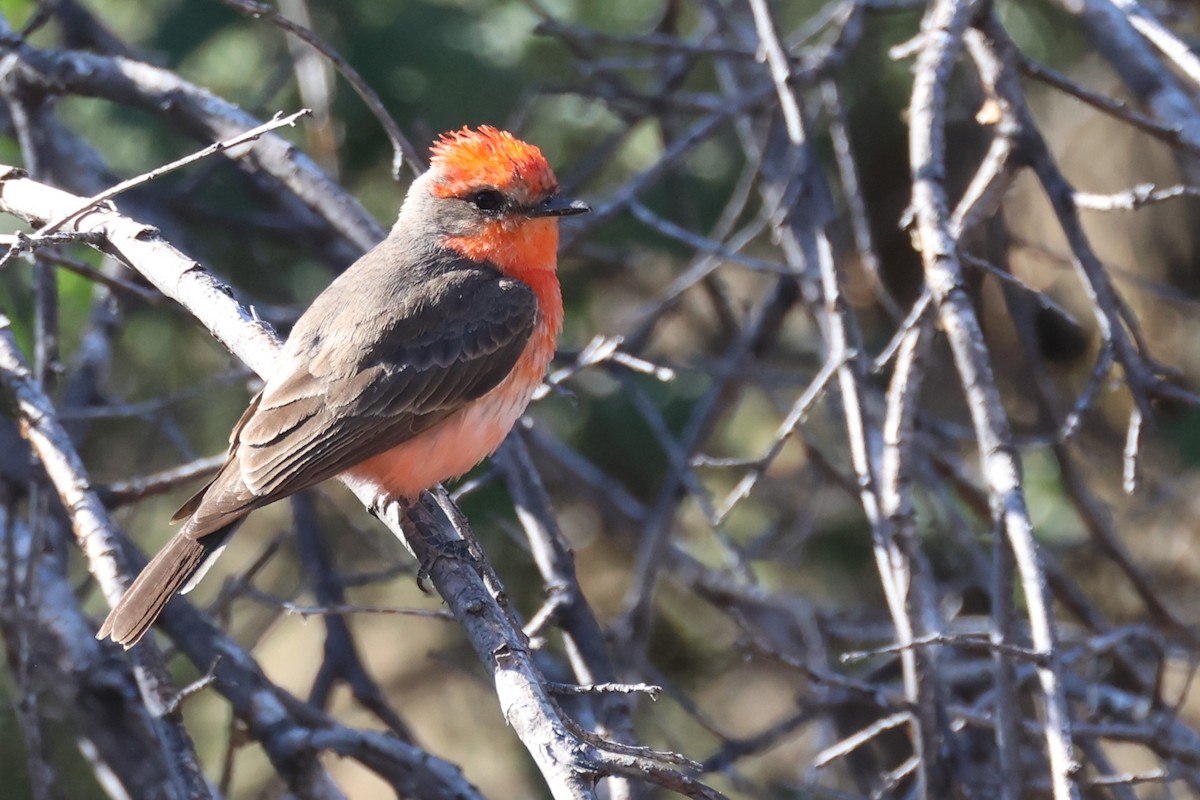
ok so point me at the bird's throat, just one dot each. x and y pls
(527, 251)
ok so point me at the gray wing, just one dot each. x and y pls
(359, 379)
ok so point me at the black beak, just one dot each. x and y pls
(558, 206)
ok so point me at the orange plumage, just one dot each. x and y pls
(487, 156)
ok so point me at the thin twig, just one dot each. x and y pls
(402, 149)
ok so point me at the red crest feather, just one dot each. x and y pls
(488, 157)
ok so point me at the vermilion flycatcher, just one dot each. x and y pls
(410, 368)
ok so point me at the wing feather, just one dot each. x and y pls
(345, 399)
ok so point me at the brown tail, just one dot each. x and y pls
(183, 559)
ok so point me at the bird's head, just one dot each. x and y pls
(492, 197)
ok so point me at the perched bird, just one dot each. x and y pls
(410, 368)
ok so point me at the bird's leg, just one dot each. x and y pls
(428, 540)
(463, 528)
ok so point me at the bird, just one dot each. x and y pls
(407, 370)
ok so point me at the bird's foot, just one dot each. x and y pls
(458, 549)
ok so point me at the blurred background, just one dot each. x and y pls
(663, 115)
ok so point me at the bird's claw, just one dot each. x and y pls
(456, 549)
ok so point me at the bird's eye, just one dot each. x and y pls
(487, 200)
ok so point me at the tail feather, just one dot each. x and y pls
(183, 560)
